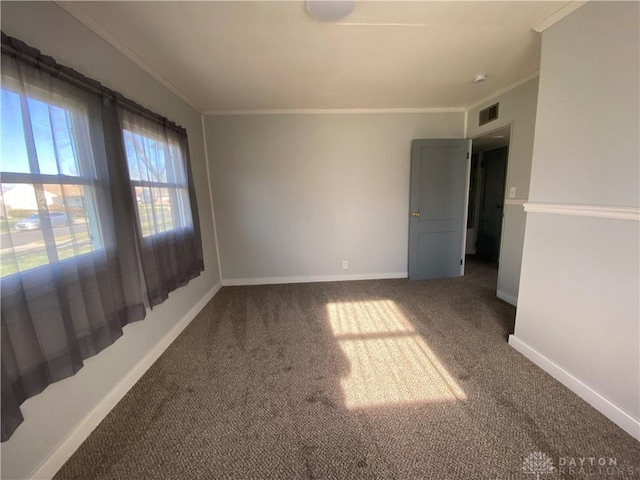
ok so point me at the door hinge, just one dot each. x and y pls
(467, 154)
(460, 261)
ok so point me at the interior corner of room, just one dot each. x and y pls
(300, 185)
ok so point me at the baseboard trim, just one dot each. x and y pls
(595, 211)
(315, 279)
(593, 398)
(507, 297)
(73, 441)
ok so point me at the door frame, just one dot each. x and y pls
(500, 196)
(466, 206)
(506, 184)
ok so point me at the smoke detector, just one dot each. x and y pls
(330, 10)
(479, 78)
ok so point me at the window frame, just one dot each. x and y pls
(85, 162)
(178, 217)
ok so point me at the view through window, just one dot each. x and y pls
(159, 182)
(48, 186)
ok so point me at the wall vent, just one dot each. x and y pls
(488, 114)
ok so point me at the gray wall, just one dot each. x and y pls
(295, 195)
(579, 294)
(518, 108)
(51, 416)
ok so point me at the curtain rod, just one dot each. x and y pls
(33, 57)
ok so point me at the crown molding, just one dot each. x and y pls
(321, 111)
(504, 90)
(594, 211)
(558, 15)
(75, 11)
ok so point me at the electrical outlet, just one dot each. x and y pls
(512, 192)
(345, 264)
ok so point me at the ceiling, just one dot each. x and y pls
(248, 56)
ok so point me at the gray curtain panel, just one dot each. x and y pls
(168, 232)
(84, 239)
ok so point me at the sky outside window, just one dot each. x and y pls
(14, 150)
(146, 157)
(52, 132)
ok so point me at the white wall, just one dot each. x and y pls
(518, 108)
(578, 313)
(51, 416)
(295, 195)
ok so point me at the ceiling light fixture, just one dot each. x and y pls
(479, 78)
(497, 137)
(330, 10)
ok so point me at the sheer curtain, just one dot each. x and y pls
(77, 242)
(160, 180)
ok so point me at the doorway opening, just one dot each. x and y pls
(487, 185)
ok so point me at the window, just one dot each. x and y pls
(80, 165)
(158, 181)
(47, 199)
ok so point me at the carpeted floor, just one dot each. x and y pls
(385, 379)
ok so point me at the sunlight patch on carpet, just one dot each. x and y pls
(390, 363)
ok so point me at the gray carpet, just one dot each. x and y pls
(382, 379)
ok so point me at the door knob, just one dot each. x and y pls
(416, 214)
